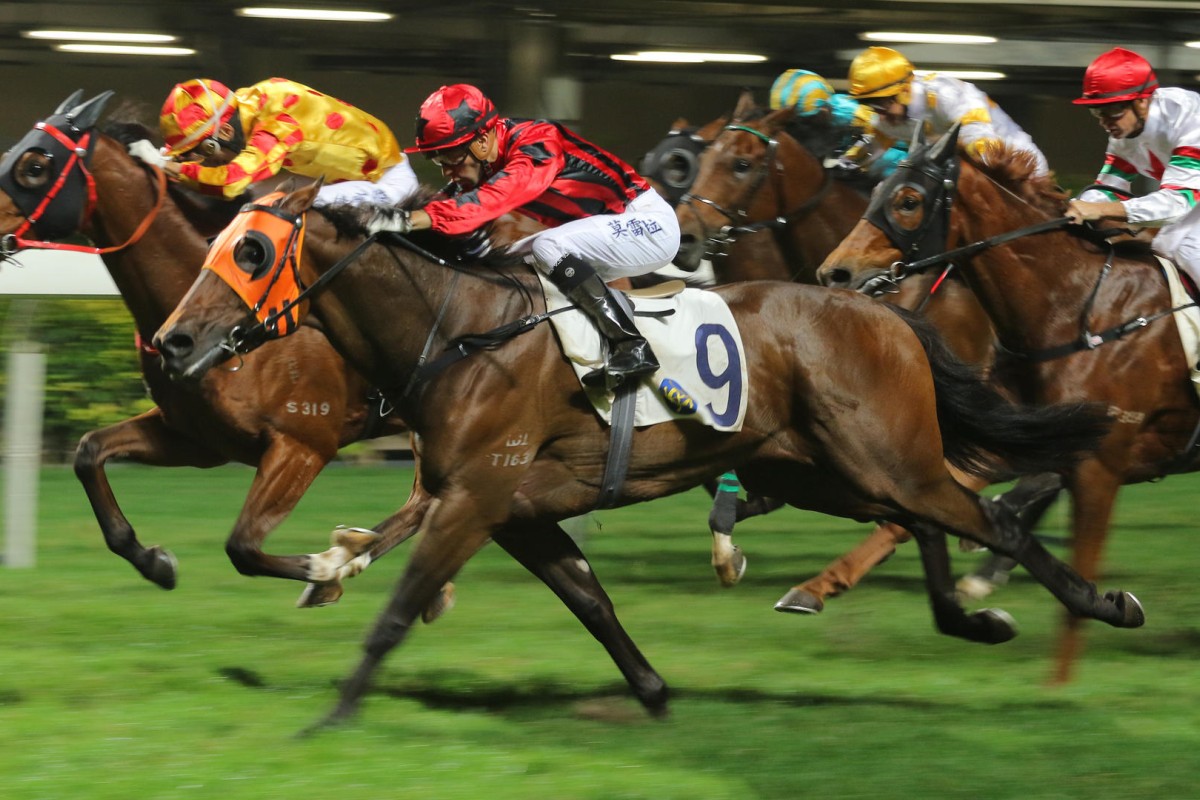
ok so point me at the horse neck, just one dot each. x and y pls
(811, 234)
(382, 309)
(1032, 288)
(153, 274)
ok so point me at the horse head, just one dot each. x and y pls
(754, 176)
(907, 222)
(249, 291)
(45, 185)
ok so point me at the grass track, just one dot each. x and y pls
(112, 688)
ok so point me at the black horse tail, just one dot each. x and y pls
(986, 434)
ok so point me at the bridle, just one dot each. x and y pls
(59, 202)
(718, 243)
(936, 178)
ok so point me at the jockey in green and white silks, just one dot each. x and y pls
(1152, 131)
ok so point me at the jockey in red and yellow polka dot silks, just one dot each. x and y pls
(285, 125)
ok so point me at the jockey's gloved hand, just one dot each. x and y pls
(843, 165)
(143, 150)
(389, 220)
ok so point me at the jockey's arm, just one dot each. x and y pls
(1079, 211)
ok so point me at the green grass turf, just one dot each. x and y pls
(113, 688)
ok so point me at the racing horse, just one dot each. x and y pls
(512, 444)
(286, 411)
(1086, 320)
(761, 204)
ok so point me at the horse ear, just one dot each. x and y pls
(918, 137)
(945, 147)
(679, 124)
(745, 104)
(303, 198)
(777, 120)
(85, 116)
(69, 103)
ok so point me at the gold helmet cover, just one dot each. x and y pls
(881, 72)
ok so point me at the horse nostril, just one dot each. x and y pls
(837, 277)
(174, 344)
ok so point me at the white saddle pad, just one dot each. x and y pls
(693, 333)
(1187, 320)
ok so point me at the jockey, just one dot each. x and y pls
(603, 220)
(231, 139)
(813, 98)
(884, 80)
(1154, 132)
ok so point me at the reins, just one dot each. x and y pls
(242, 340)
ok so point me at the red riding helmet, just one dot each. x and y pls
(1117, 76)
(452, 116)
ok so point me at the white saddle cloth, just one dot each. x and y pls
(1186, 320)
(703, 366)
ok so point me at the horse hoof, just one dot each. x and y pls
(1000, 625)
(798, 601)
(973, 587)
(1132, 613)
(161, 567)
(731, 571)
(320, 594)
(439, 605)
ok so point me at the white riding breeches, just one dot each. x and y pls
(642, 238)
(393, 187)
(1180, 242)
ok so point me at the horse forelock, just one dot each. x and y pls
(1016, 169)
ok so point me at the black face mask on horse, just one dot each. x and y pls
(46, 173)
(929, 183)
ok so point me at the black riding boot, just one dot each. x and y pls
(629, 356)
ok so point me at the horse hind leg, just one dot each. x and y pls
(997, 527)
(553, 557)
(989, 625)
(144, 439)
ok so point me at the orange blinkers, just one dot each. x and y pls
(258, 256)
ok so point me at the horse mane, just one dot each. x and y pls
(1016, 170)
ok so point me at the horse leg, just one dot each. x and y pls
(145, 439)
(1093, 493)
(356, 548)
(845, 571)
(285, 471)
(1029, 499)
(990, 625)
(727, 559)
(549, 553)
(454, 528)
(998, 528)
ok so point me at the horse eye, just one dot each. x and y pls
(910, 203)
(741, 166)
(254, 254)
(33, 170)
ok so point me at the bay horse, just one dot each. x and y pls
(512, 446)
(286, 411)
(1086, 320)
(760, 204)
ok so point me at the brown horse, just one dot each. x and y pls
(761, 205)
(286, 410)
(1088, 321)
(512, 445)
